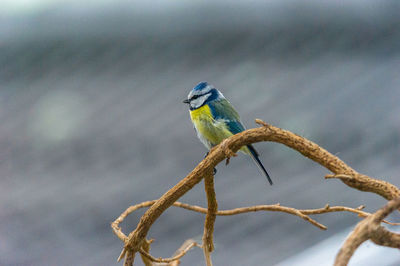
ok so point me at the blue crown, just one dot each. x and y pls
(200, 86)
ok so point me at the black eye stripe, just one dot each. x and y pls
(194, 97)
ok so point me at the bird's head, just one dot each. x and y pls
(202, 94)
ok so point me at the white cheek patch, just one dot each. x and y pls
(196, 103)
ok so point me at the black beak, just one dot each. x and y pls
(186, 101)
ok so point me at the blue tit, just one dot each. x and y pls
(215, 119)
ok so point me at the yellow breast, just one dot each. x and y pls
(209, 129)
(201, 113)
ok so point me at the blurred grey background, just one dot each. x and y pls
(92, 121)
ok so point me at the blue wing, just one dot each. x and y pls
(222, 109)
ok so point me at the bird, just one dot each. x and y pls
(214, 119)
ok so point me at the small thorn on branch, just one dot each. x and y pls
(262, 123)
(340, 176)
(121, 255)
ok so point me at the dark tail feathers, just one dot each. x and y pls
(254, 156)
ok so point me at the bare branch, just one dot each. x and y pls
(370, 228)
(144, 251)
(227, 149)
(208, 245)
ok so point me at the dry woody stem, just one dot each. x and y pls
(370, 228)
(135, 241)
(149, 260)
(189, 244)
(208, 245)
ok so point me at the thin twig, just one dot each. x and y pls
(145, 250)
(184, 248)
(274, 207)
(180, 254)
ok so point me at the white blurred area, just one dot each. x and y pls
(366, 255)
(58, 116)
(92, 121)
